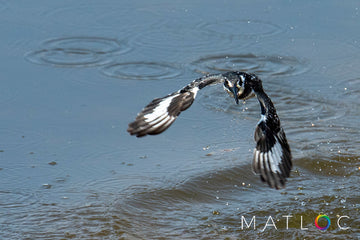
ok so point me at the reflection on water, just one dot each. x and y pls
(70, 170)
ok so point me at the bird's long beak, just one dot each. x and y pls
(235, 91)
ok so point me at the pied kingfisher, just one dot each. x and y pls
(272, 155)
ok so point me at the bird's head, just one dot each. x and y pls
(236, 85)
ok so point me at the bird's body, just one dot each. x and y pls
(272, 155)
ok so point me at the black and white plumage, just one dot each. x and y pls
(272, 155)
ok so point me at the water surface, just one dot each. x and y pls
(74, 74)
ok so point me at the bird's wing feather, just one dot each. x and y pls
(160, 113)
(272, 156)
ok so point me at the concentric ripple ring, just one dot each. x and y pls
(264, 65)
(142, 70)
(77, 51)
(242, 28)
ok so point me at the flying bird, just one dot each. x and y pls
(272, 155)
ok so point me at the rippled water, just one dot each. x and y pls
(77, 51)
(264, 65)
(74, 74)
(142, 70)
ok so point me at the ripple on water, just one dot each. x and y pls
(86, 14)
(15, 199)
(198, 189)
(77, 51)
(18, 139)
(259, 64)
(180, 38)
(101, 16)
(306, 107)
(202, 36)
(308, 119)
(242, 28)
(142, 70)
(292, 104)
(197, 199)
(349, 89)
(333, 165)
(31, 175)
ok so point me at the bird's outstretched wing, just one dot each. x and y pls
(160, 113)
(272, 155)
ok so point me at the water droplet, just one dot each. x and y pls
(215, 212)
(52, 163)
(47, 186)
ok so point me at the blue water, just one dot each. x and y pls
(75, 73)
